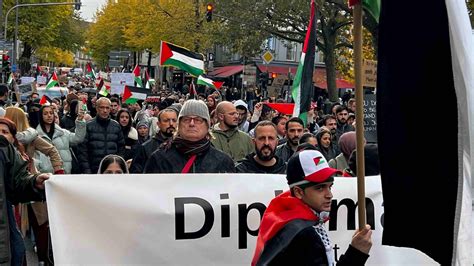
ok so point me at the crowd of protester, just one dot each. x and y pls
(212, 132)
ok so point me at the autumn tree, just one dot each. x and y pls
(288, 20)
(141, 25)
(43, 26)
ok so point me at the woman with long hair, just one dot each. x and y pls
(325, 145)
(113, 164)
(31, 141)
(61, 138)
(129, 132)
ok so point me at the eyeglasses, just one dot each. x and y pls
(197, 120)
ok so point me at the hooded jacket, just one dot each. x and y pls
(234, 142)
(63, 140)
(287, 236)
(249, 165)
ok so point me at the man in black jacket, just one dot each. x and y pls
(103, 137)
(190, 151)
(292, 230)
(294, 130)
(167, 119)
(263, 160)
(16, 185)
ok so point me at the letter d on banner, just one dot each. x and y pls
(180, 215)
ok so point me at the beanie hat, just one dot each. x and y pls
(142, 123)
(309, 167)
(195, 108)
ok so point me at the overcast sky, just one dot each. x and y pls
(89, 7)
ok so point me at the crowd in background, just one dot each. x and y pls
(215, 131)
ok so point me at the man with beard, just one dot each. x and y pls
(190, 150)
(294, 130)
(263, 160)
(342, 114)
(227, 137)
(167, 119)
(330, 122)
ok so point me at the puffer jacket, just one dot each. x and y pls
(234, 142)
(172, 161)
(16, 185)
(62, 139)
(103, 137)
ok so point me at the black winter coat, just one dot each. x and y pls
(249, 165)
(172, 161)
(144, 152)
(103, 137)
(284, 151)
(305, 248)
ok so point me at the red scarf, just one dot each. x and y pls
(281, 210)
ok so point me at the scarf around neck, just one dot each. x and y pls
(191, 147)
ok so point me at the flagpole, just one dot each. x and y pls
(359, 95)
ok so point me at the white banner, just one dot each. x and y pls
(27, 80)
(119, 80)
(41, 80)
(194, 219)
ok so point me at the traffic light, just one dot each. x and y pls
(78, 4)
(5, 63)
(209, 9)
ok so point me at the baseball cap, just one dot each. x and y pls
(309, 166)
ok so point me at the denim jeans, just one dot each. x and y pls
(17, 246)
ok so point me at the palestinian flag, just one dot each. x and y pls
(283, 108)
(427, 208)
(53, 81)
(303, 89)
(133, 94)
(204, 80)
(182, 58)
(90, 71)
(45, 100)
(10, 79)
(137, 74)
(371, 6)
(104, 90)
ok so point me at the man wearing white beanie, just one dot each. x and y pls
(190, 150)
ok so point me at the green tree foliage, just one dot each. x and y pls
(43, 26)
(288, 20)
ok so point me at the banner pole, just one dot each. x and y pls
(359, 95)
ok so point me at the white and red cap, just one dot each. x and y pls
(309, 166)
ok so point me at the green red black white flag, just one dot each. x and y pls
(182, 58)
(303, 89)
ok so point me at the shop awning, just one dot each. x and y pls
(226, 71)
(320, 81)
(277, 69)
